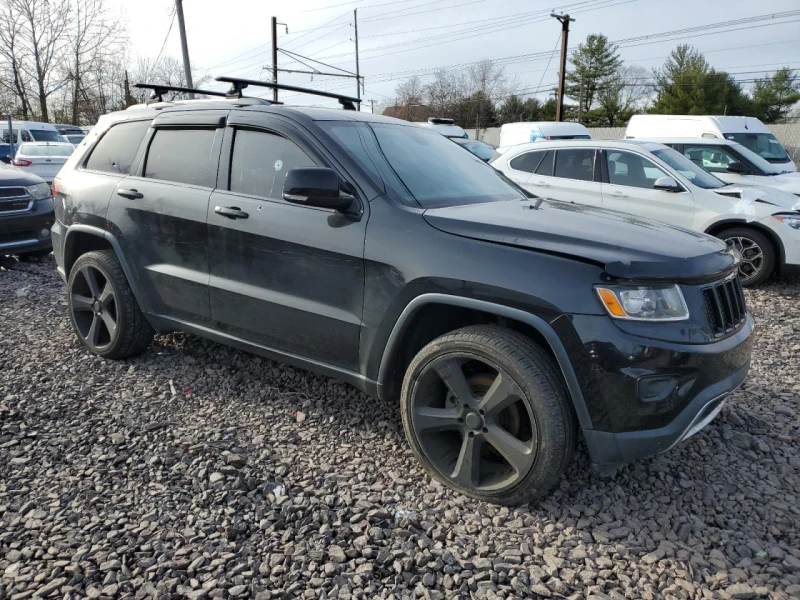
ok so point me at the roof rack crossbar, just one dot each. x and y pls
(238, 84)
(159, 90)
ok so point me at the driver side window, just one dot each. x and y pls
(632, 170)
(711, 158)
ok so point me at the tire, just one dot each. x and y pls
(104, 313)
(526, 414)
(757, 250)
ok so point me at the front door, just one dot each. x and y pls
(284, 276)
(161, 214)
(630, 189)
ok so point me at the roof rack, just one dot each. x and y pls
(237, 85)
(159, 91)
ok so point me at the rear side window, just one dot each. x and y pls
(115, 151)
(576, 164)
(527, 162)
(545, 167)
(261, 161)
(180, 155)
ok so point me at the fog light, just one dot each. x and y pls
(44, 233)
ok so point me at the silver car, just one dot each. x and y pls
(44, 159)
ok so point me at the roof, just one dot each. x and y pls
(696, 141)
(649, 145)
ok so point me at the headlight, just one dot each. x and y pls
(644, 303)
(792, 221)
(40, 191)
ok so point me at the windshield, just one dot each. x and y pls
(479, 149)
(766, 145)
(569, 137)
(75, 138)
(36, 150)
(699, 177)
(438, 173)
(758, 162)
(45, 135)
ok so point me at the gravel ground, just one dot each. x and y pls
(199, 471)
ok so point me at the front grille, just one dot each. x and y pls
(725, 306)
(12, 192)
(14, 199)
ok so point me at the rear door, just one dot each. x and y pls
(284, 276)
(628, 187)
(161, 213)
(568, 174)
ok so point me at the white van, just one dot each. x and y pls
(30, 131)
(447, 127)
(747, 131)
(512, 134)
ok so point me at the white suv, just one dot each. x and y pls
(653, 181)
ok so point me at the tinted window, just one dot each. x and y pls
(44, 135)
(261, 161)
(527, 162)
(115, 151)
(349, 136)
(711, 158)
(575, 163)
(180, 155)
(632, 170)
(546, 166)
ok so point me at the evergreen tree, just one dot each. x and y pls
(773, 97)
(593, 62)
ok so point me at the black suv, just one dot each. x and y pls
(380, 253)
(26, 213)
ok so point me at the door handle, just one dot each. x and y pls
(130, 194)
(232, 212)
(619, 194)
(541, 183)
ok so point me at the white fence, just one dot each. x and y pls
(788, 136)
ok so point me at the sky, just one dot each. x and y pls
(398, 38)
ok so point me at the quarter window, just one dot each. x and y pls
(115, 151)
(632, 170)
(180, 155)
(527, 162)
(261, 161)
(575, 163)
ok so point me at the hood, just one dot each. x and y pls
(627, 247)
(13, 176)
(762, 194)
(789, 182)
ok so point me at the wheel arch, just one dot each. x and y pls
(446, 313)
(777, 244)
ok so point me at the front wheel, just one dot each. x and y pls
(486, 412)
(758, 254)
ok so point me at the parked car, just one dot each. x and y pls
(747, 131)
(378, 252)
(480, 149)
(733, 163)
(75, 138)
(44, 159)
(651, 180)
(26, 213)
(512, 134)
(66, 130)
(29, 131)
(447, 127)
(85, 130)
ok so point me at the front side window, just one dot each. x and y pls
(527, 162)
(575, 163)
(632, 170)
(437, 172)
(26, 137)
(115, 151)
(261, 161)
(180, 155)
(714, 159)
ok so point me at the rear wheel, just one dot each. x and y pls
(486, 412)
(103, 310)
(758, 254)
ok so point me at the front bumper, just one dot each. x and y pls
(28, 231)
(643, 395)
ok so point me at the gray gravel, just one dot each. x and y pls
(199, 471)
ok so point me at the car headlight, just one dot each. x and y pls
(792, 221)
(40, 191)
(644, 303)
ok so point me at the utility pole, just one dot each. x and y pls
(372, 106)
(358, 73)
(275, 56)
(187, 67)
(564, 20)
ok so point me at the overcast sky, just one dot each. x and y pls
(398, 37)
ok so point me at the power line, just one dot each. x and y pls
(166, 37)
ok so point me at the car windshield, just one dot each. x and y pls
(37, 150)
(438, 173)
(688, 169)
(75, 138)
(766, 145)
(45, 135)
(479, 149)
(765, 167)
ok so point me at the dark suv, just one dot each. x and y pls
(26, 213)
(380, 253)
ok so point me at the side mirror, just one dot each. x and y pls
(667, 184)
(315, 186)
(737, 167)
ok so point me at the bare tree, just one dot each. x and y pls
(10, 50)
(621, 95)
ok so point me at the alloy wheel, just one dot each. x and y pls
(752, 257)
(473, 423)
(94, 307)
